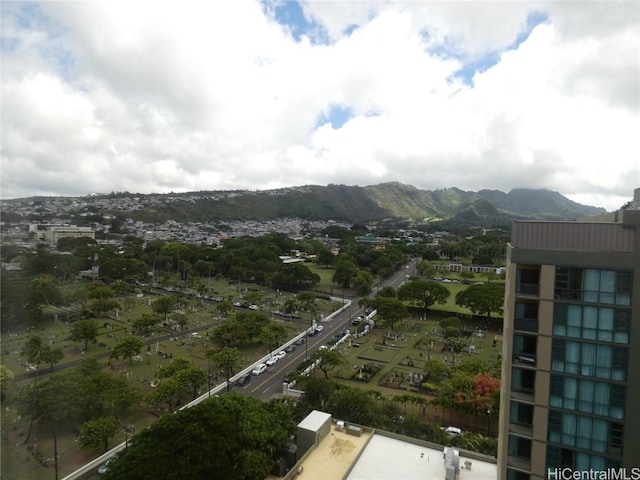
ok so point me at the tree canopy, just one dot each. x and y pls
(232, 437)
(426, 292)
(482, 298)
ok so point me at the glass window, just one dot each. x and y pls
(521, 413)
(604, 324)
(588, 396)
(517, 475)
(519, 447)
(594, 286)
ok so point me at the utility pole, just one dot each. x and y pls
(55, 452)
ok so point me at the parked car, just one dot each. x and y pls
(244, 380)
(103, 468)
(319, 328)
(273, 360)
(281, 354)
(290, 348)
(452, 431)
(259, 369)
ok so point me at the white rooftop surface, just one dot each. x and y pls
(386, 458)
(314, 420)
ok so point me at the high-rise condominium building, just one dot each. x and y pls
(571, 367)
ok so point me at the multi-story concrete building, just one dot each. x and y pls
(53, 233)
(571, 364)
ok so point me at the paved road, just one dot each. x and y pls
(269, 384)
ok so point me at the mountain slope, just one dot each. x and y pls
(352, 204)
(538, 203)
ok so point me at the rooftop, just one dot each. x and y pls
(378, 456)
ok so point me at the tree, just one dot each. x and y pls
(164, 305)
(145, 323)
(295, 276)
(52, 355)
(344, 273)
(291, 305)
(128, 347)
(467, 275)
(486, 392)
(389, 309)
(356, 405)
(252, 323)
(84, 331)
(235, 436)
(329, 359)
(307, 300)
(426, 292)
(56, 400)
(224, 307)
(42, 291)
(168, 391)
(6, 377)
(425, 269)
(479, 299)
(451, 322)
(273, 334)
(435, 369)
(387, 291)
(325, 257)
(32, 351)
(95, 433)
(456, 392)
(120, 287)
(104, 394)
(226, 359)
(362, 282)
(229, 334)
(181, 319)
(98, 306)
(185, 373)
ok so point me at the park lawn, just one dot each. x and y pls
(325, 274)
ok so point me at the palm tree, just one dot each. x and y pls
(32, 350)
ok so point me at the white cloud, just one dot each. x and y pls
(114, 96)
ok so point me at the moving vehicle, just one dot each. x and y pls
(273, 360)
(259, 369)
(244, 380)
(281, 354)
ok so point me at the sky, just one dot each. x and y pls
(177, 96)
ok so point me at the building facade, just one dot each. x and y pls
(53, 233)
(571, 356)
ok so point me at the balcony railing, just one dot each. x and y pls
(526, 324)
(531, 289)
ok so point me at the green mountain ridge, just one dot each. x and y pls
(355, 204)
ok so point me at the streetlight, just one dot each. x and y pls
(209, 374)
(128, 429)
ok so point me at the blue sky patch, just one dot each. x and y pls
(289, 13)
(338, 115)
(488, 60)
